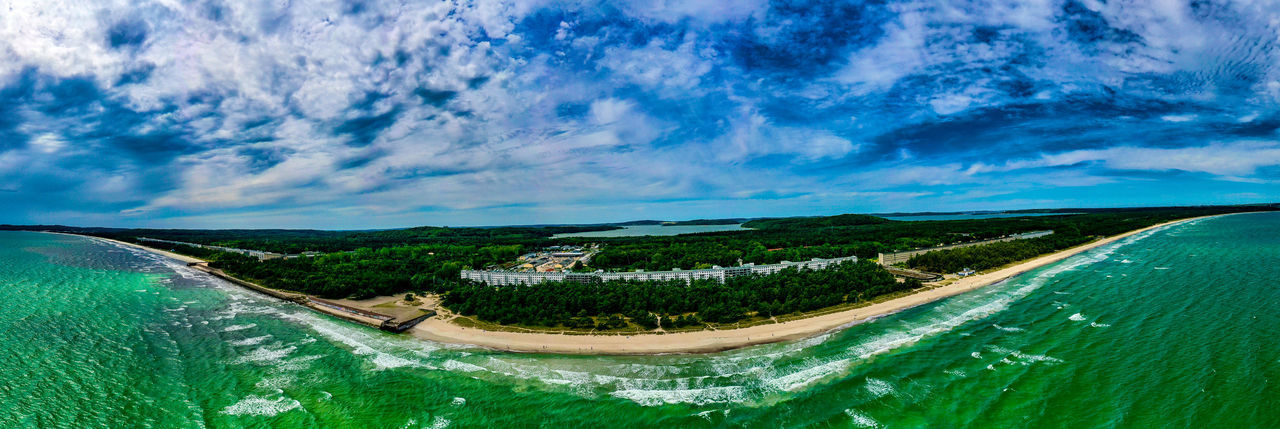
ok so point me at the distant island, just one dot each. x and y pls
(368, 270)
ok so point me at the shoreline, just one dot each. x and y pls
(706, 341)
(201, 266)
(444, 331)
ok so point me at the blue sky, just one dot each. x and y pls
(370, 114)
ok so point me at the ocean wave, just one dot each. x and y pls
(263, 355)
(251, 341)
(710, 395)
(1077, 317)
(254, 405)
(1024, 358)
(297, 364)
(880, 388)
(861, 420)
(234, 328)
(440, 423)
(799, 379)
(1007, 328)
(454, 365)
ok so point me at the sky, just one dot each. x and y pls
(379, 114)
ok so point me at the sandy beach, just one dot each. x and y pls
(183, 258)
(444, 331)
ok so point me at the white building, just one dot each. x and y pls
(503, 278)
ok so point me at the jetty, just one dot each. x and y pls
(399, 319)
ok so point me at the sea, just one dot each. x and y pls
(1174, 327)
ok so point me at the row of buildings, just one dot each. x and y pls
(261, 255)
(505, 278)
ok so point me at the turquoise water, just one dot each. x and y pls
(1179, 327)
(654, 230)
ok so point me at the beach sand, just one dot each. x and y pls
(171, 255)
(445, 331)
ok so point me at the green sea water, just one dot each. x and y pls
(1179, 327)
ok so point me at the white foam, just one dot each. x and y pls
(1162, 268)
(1007, 328)
(454, 365)
(387, 361)
(650, 398)
(459, 401)
(1099, 325)
(297, 364)
(796, 380)
(879, 387)
(1077, 317)
(860, 419)
(439, 423)
(265, 355)
(234, 328)
(275, 383)
(254, 405)
(1023, 358)
(251, 341)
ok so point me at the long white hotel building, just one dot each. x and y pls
(504, 278)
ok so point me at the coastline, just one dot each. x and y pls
(706, 341)
(201, 265)
(182, 258)
(444, 331)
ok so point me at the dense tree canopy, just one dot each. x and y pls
(790, 291)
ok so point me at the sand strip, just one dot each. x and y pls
(171, 255)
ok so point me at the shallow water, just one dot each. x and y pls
(1176, 327)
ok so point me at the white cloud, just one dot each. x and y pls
(753, 136)
(676, 71)
(1240, 158)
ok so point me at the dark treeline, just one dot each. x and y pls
(293, 241)
(575, 304)
(366, 272)
(994, 254)
(1076, 230)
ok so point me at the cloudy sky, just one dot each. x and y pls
(364, 114)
